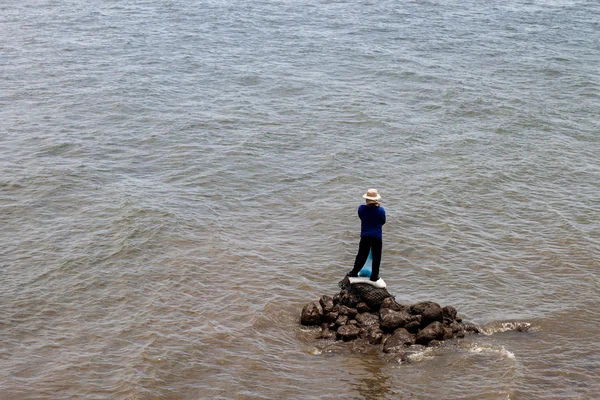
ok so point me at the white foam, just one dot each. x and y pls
(489, 349)
(315, 352)
(423, 355)
(508, 326)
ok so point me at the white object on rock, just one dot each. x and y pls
(379, 284)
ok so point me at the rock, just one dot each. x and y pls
(350, 312)
(391, 304)
(348, 332)
(359, 311)
(372, 334)
(385, 337)
(391, 319)
(433, 331)
(434, 343)
(341, 320)
(404, 336)
(448, 334)
(470, 327)
(448, 314)
(331, 316)
(366, 320)
(399, 340)
(414, 325)
(455, 326)
(429, 312)
(337, 298)
(326, 303)
(363, 307)
(349, 299)
(327, 334)
(311, 314)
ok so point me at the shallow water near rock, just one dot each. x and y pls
(178, 178)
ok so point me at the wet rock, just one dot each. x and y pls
(382, 324)
(331, 316)
(391, 303)
(311, 314)
(433, 331)
(337, 298)
(398, 342)
(326, 303)
(327, 334)
(348, 332)
(372, 334)
(455, 326)
(448, 314)
(367, 320)
(363, 307)
(385, 337)
(349, 299)
(391, 319)
(349, 311)
(448, 334)
(429, 312)
(341, 320)
(470, 327)
(414, 325)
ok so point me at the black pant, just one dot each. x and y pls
(368, 243)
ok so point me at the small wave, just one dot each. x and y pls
(425, 354)
(478, 348)
(314, 351)
(500, 327)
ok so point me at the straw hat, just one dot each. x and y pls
(371, 195)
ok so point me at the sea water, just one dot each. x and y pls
(178, 178)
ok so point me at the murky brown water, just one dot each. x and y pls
(179, 178)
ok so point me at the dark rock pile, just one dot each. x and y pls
(362, 312)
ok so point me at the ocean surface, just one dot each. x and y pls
(178, 178)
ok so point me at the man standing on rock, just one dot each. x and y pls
(372, 219)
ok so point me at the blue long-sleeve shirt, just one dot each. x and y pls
(372, 219)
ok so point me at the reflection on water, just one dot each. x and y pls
(373, 383)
